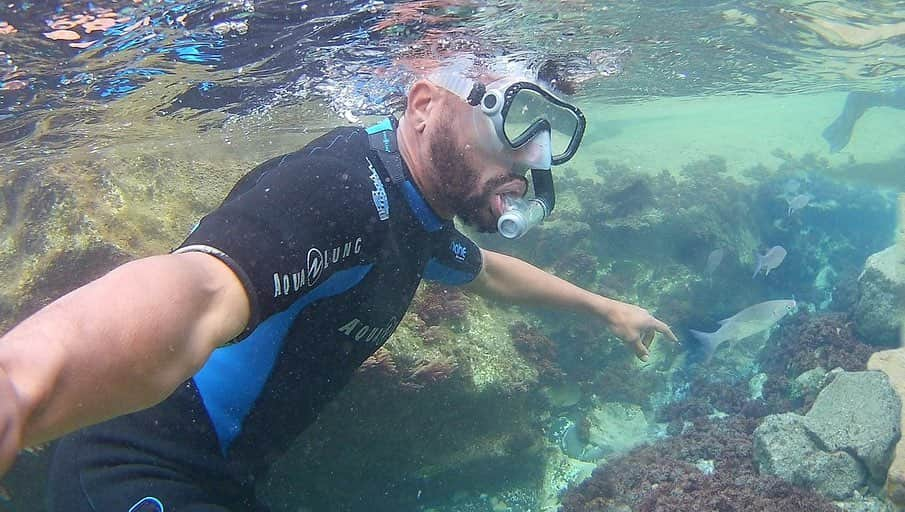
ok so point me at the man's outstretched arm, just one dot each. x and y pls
(513, 280)
(121, 343)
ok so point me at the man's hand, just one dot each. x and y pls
(635, 326)
(510, 279)
(10, 423)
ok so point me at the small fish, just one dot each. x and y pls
(747, 322)
(714, 259)
(5, 496)
(798, 202)
(769, 260)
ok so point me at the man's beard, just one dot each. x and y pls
(459, 183)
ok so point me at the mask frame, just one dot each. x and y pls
(496, 100)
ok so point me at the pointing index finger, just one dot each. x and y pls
(664, 330)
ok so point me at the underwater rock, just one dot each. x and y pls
(70, 268)
(878, 313)
(81, 216)
(709, 467)
(556, 240)
(783, 447)
(809, 341)
(562, 395)
(858, 412)
(435, 304)
(892, 363)
(841, 441)
(538, 349)
(807, 383)
(562, 472)
(866, 503)
(617, 427)
(570, 435)
(428, 372)
(756, 385)
(708, 397)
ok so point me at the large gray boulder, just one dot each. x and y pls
(784, 447)
(846, 438)
(858, 413)
(878, 314)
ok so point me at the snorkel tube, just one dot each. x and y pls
(520, 215)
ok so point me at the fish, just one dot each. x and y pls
(747, 322)
(5, 496)
(798, 202)
(714, 259)
(769, 260)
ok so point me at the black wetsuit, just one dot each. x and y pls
(330, 243)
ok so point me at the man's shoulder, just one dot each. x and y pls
(333, 179)
(340, 173)
(344, 145)
(336, 161)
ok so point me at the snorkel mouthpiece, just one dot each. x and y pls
(520, 215)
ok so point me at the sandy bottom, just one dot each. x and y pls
(745, 130)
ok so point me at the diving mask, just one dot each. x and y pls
(521, 111)
(512, 112)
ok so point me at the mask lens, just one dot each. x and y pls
(527, 111)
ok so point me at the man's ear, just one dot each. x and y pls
(422, 99)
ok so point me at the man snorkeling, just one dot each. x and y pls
(839, 132)
(178, 379)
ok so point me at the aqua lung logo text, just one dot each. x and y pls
(364, 333)
(317, 261)
(379, 194)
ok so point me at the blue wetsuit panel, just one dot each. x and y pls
(232, 379)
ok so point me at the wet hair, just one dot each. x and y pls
(554, 72)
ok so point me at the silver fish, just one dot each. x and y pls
(798, 202)
(714, 259)
(747, 322)
(769, 260)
